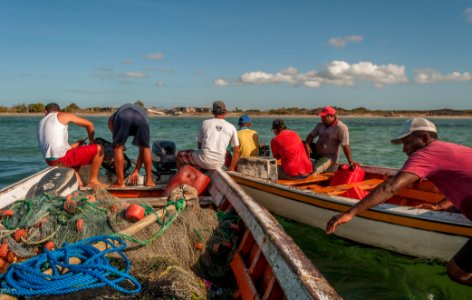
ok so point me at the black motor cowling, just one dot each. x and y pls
(108, 162)
(163, 157)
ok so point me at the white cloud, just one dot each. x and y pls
(338, 73)
(160, 83)
(155, 56)
(220, 82)
(138, 75)
(468, 14)
(340, 42)
(432, 76)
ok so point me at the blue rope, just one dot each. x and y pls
(27, 278)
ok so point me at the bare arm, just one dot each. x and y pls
(347, 152)
(66, 118)
(308, 141)
(379, 195)
(110, 122)
(234, 159)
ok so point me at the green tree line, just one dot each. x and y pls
(73, 107)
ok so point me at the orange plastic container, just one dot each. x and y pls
(191, 176)
(347, 174)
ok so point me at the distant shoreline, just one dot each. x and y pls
(266, 115)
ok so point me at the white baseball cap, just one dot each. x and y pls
(415, 124)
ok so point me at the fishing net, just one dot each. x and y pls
(31, 223)
(184, 255)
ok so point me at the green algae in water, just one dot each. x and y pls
(362, 272)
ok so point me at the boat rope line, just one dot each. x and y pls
(30, 278)
(165, 222)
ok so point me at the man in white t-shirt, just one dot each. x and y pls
(213, 140)
(53, 139)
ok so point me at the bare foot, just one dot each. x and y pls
(117, 185)
(96, 184)
(150, 183)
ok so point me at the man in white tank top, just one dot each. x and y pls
(54, 145)
(213, 140)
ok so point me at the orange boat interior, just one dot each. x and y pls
(420, 192)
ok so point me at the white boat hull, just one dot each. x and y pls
(303, 207)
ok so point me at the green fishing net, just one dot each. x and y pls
(193, 249)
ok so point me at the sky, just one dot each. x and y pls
(402, 54)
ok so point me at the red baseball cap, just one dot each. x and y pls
(327, 110)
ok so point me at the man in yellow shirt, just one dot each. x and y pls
(248, 138)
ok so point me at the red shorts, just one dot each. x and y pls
(82, 155)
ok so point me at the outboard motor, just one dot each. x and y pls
(108, 162)
(163, 158)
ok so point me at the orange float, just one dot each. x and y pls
(134, 212)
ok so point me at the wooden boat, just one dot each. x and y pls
(395, 225)
(267, 264)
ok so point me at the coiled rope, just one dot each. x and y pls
(28, 279)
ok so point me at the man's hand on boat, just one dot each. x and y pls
(133, 178)
(444, 204)
(338, 220)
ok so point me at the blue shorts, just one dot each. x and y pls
(130, 122)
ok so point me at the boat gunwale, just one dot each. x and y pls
(270, 233)
(16, 184)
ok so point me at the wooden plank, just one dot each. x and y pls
(339, 189)
(258, 265)
(152, 201)
(310, 179)
(273, 291)
(246, 243)
(245, 284)
(429, 197)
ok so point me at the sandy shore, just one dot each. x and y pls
(262, 115)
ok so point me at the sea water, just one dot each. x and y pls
(355, 271)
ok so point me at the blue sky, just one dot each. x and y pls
(403, 54)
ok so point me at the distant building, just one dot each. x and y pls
(203, 109)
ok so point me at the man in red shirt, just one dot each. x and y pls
(288, 147)
(447, 165)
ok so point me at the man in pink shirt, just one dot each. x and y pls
(447, 165)
(288, 147)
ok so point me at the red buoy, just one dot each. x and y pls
(134, 212)
(50, 245)
(19, 234)
(4, 250)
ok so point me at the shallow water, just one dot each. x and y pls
(356, 271)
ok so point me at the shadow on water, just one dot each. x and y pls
(361, 272)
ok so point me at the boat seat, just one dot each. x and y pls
(339, 189)
(310, 179)
(425, 196)
(409, 193)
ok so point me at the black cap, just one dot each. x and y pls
(219, 108)
(278, 124)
